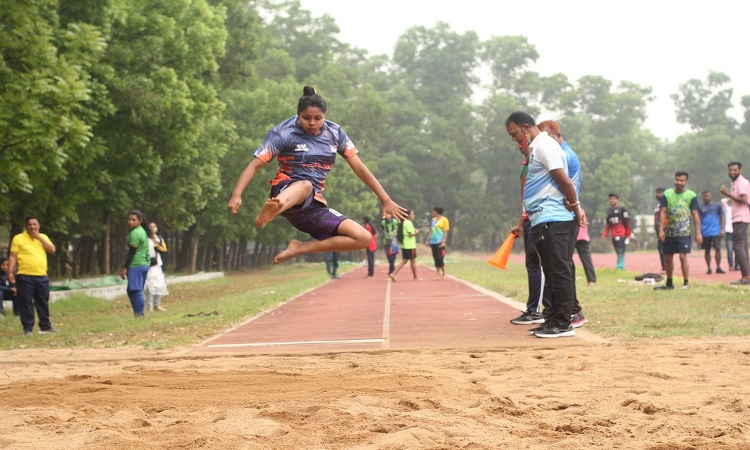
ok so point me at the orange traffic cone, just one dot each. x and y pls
(500, 260)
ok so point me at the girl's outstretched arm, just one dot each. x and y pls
(245, 178)
(364, 174)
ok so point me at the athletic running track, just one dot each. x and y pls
(356, 313)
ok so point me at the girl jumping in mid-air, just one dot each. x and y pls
(306, 146)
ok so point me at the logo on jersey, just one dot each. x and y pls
(333, 148)
(334, 212)
(301, 148)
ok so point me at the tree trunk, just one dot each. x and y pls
(193, 249)
(106, 244)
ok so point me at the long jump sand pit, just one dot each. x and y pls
(677, 394)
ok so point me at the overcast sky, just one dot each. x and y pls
(652, 43)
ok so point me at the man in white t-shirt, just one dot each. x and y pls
(551, 202)
(726, 204)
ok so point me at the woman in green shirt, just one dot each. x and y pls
(407, 235)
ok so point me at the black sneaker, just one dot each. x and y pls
(539, 328)
(664, 287)
(528, 318)
(708, 272)
(47, 331)
(555, 332)
(719, 270)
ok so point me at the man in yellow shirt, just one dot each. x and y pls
(28, 253)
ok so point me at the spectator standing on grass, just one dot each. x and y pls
(27, 269)
(740, 195)
(678, 206)
(712, 230)
(618, 223)
(584, 253)
(137, 262)
(156, 282)
(7, 290)
(657, 217)
(726, 205)
(575, 174)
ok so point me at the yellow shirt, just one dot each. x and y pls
(31, 255)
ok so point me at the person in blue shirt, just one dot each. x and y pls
(712, 229)
(574, 173)
(306, 146)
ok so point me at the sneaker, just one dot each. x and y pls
(159, 308)
(719, 270)
(577, 320)
(528, 318)
(47, 331)
(685, 287)
(535, 329)
(664, 287)
(708, 272)
(26, 332)
(555, 332)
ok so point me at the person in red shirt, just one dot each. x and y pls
(618, 222)
(371, 247)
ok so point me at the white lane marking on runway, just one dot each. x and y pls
(387, 318)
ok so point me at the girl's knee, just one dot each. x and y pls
(304, 185)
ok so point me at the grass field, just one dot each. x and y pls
(616, 307)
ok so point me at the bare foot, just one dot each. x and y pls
(390, 275)
(291, 250)
(271, 208)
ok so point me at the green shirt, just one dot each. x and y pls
(410, 242)
(679, 212)
(138, 238)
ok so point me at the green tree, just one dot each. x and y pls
(46, 104)
(701, 104)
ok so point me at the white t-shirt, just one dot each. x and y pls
(727, 215)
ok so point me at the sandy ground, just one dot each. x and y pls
(675, 394)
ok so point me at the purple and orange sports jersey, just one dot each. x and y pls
(305, 157)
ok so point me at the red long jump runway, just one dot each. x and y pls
(372, 314)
